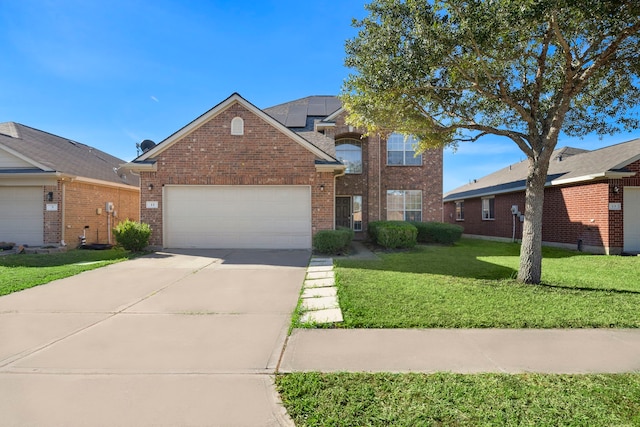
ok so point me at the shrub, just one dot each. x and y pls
(393, 234)
(438, 232)
(131, 235)
(332, 242)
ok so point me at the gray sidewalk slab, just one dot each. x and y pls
(463, 350)
(55, 400)
(152, 343)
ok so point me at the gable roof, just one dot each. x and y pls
(316, 148)
(48, 153)
(568, 165)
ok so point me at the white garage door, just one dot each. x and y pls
(21, 215)
(262, 217)
(632, 219)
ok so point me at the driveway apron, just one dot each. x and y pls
(180, 338)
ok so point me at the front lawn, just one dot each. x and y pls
(18, 272)
(445, 399)
(471, 285)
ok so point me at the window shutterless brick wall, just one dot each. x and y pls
(377, 177)
(210, 155)
(572, 214)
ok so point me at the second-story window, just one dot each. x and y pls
(349, 152)
(401, 150)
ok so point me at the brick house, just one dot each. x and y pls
(592, 201)
(242, 177)
(51, 188)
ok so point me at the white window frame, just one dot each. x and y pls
(356, 213)
(459, 204)
(352, 167)
(404, 209)
(409, 145)
(488, 211)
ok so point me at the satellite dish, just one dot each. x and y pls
(147, 145)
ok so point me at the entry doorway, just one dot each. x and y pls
(343, 211)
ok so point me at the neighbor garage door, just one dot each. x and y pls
(21, 215)
(237, 217)
(632, 219)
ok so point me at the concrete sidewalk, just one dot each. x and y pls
(463, 350)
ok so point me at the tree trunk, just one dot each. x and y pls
(530, 270)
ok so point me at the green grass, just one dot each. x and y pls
(18, 272)
(472, 285)
(445, 399)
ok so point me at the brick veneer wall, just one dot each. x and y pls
(377, 177)
(81, 204)
(210, 155)
(52, 230)
(572, 214)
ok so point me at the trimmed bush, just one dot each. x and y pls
(393, 234)
(333, 242)
(438, 232)
(131, 235)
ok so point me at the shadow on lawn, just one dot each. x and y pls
(65, 258)
(469, 259)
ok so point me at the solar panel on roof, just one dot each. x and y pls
(317, 109)
(296, 120)
(297, 116)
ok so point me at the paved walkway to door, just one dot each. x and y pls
(170, 339)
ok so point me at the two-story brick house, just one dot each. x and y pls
(243, 177)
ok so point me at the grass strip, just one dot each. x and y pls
(23, 271)
(446, 399)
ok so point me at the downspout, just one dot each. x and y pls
(379, 178)
(63, 213)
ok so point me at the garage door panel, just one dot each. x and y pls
(21, 216)
(631, 219)
(238, 216)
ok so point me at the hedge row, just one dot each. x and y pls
(438, 232)
(332, 242)
(401, 234)
(393, 234)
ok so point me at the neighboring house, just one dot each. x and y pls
(51, 188)
(242, 177)
(592, 201)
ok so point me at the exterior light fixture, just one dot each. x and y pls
(150, 187)
(50, 196)
(615, 189)
(321, 187)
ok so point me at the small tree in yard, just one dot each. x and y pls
(457, 70)
(131, 235)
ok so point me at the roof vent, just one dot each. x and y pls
(237, 126)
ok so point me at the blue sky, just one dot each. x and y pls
(112, 73)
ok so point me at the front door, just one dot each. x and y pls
(343, 212)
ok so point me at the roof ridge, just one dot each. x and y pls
(300, 99)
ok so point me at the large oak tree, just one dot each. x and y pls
(527, 70)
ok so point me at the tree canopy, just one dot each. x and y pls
(449, 71)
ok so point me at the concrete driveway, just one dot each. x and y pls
(186, 338)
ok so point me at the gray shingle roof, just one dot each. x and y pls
(64, 155)
(567, 165)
